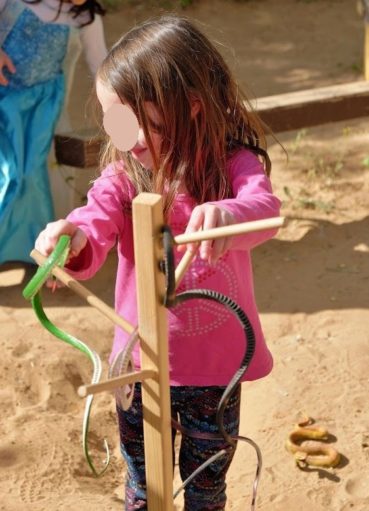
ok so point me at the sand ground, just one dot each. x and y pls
(311, 286)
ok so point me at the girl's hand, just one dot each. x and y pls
(5, 61)
(48, 238)
(208, 216)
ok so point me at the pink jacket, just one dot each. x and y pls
(206, 341)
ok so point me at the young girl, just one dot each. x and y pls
(198, 145)
(33, 45)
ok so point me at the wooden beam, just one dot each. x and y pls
(366, 52)
(312, 107)
(282, 112)
(80, 149)
(152, 320)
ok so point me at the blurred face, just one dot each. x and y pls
(123, 126)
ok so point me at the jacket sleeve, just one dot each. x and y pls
(102, 220)
(253, 198)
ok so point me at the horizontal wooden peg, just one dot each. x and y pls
(230, 230)
(183, 266)
(85, 293)
(114, 383)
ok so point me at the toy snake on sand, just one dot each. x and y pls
(32, 292)
(304, 443)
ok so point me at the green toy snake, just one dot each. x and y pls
(32, 292)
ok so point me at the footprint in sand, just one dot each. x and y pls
(54, 388)
(355, 505)
(7, 403)
(365, 444)
(357, 487)
(36, 464)
(21, 349)
(30, 387)
(9, 456)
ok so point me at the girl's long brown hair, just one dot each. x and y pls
(169, 62)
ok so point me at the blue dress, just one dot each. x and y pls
(29, 109)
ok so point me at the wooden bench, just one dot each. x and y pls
(282, 112)
(78, 149)
(313, 107)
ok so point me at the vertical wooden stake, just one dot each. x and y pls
(152, 320)
(366, 52)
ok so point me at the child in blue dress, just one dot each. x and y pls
(33, 46)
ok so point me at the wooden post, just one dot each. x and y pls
(152, 320)
(366, 52)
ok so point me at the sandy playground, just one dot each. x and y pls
(311, 285)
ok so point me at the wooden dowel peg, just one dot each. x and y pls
(113, 383)
(230, 230)
(85, 293)
(183, 265)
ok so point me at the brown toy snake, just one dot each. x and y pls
(304, 442)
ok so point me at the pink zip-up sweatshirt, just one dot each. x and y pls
(206, 341)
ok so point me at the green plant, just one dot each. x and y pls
(325, 166)
(309, 203)
(357, 67)
(295, 145)
(365, 162)
(304, 200)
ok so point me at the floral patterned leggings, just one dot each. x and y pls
(196, 408)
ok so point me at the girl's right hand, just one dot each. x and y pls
(5, 61)
(48, 238)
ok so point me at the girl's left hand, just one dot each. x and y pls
(208, 216)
